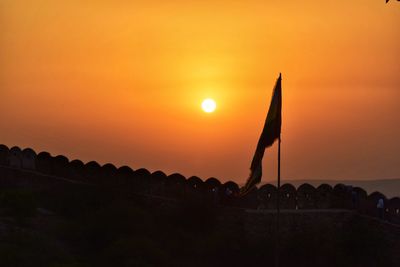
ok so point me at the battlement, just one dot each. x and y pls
(23, 167)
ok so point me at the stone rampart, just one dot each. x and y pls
(25, 168)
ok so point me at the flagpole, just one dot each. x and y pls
(277, 203)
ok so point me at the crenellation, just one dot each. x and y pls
(27, 169)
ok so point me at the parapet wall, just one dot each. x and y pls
(25, 167)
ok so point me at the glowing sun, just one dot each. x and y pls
(208, 105)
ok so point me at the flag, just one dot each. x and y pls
(270, 132)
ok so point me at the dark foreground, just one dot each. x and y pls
(81, 225)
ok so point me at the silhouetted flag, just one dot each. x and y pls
(271, 132)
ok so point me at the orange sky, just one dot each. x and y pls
(122, 82)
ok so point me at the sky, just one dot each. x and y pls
(123, 81)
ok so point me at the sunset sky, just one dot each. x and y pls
(123, 81)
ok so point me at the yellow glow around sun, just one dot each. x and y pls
(208, 105)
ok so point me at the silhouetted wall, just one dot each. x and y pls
(15, 157)
(108, 174)
(28, 159)
(125, 176)
(76, 170)
(267, 196)
(175, 185)
(324, 196)
(306, 196)
(60, 166)
(158, 182)
(393, 210)
(26, 168)
(4, 152)
(44, 163)
(287, 196)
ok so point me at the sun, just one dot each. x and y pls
(208, 105)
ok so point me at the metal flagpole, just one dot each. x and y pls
(277, 203)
